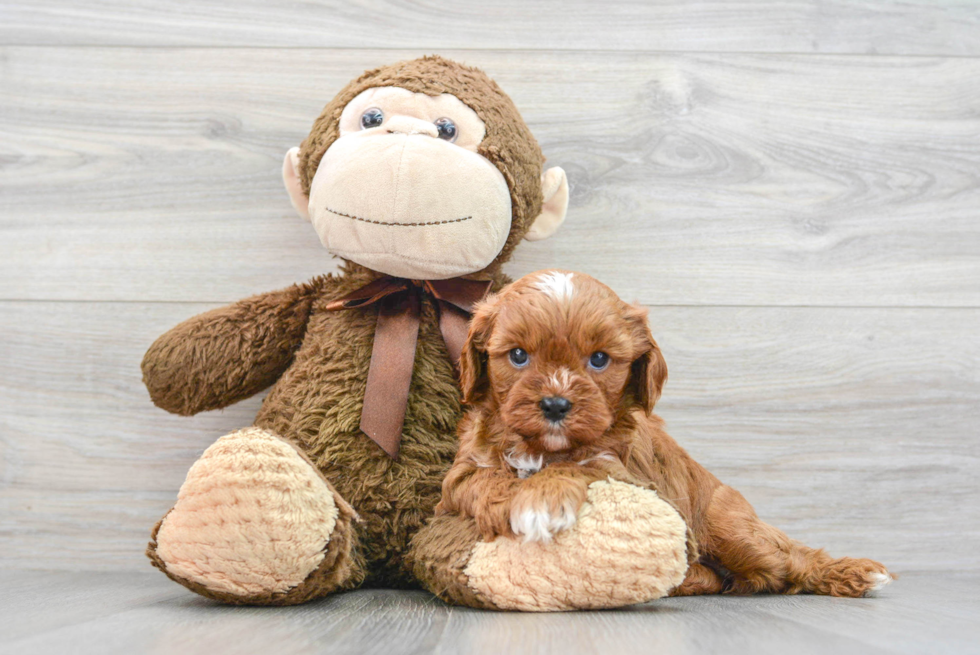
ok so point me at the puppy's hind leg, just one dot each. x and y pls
(763, 559)
(700, 580)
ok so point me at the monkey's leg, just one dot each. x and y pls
(627, 546)
(256, 523)
(439, 553)
(763, 559)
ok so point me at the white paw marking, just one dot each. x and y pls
(541, 525)
(525, 465)
(880, 580)
(555, 284)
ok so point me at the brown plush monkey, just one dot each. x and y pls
(423, 177)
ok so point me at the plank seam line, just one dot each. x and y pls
(450, 49)
(645, 304)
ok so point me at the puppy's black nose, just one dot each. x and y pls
(555, 407)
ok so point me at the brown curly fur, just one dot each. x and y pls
(317, 360)
(610, 431)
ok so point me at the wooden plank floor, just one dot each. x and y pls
(82, 613)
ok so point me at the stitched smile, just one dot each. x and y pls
(368, 220)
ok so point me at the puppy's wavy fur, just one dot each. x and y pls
(518, 473)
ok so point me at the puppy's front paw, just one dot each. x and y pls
(538, 514)
(540, 524)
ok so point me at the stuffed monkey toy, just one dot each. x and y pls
(423, 178)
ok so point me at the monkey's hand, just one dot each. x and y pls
(227, 354)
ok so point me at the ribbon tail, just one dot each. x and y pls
(459, 292)
(454, 326)
(370, 293)
(390, 372)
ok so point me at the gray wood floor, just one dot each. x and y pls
(61, 612)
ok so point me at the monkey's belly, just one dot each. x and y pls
(317, 404)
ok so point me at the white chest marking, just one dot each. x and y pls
(525, 465)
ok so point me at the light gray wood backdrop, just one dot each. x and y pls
(793, 189)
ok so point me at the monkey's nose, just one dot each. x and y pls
(555, 408)
(410, 125)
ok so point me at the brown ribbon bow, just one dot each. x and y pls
(395, 338)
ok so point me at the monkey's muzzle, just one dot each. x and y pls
(410, 205)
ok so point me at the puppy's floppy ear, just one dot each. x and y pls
(648, 372)
(473, 359)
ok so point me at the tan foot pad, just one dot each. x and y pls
(252, 517)
(628, 546)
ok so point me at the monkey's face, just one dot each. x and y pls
(424, 169)
(404, 192)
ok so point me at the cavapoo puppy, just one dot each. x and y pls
(561, 377)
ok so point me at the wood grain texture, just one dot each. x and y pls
(34, 602)
(807, 26)
(153, 174)
(854, 429)
(146, 613)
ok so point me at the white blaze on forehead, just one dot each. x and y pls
(555, 284)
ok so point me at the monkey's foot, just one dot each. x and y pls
(255, 523)
(627, 546)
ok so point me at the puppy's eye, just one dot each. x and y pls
(518, 357)
(598, 361)
(447, 129)
(372, 117)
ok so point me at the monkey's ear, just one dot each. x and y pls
(473, 360)
(554, 188)
(290, 177)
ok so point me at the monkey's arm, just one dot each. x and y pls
(227, 354)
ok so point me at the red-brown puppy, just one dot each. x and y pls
(562, 377)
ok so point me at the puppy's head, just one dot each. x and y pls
(562, 358)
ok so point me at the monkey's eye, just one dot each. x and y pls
(373, 117)
(598, 361)
(447, 129)
(518, 357)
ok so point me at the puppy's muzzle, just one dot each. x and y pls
(555, 408)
